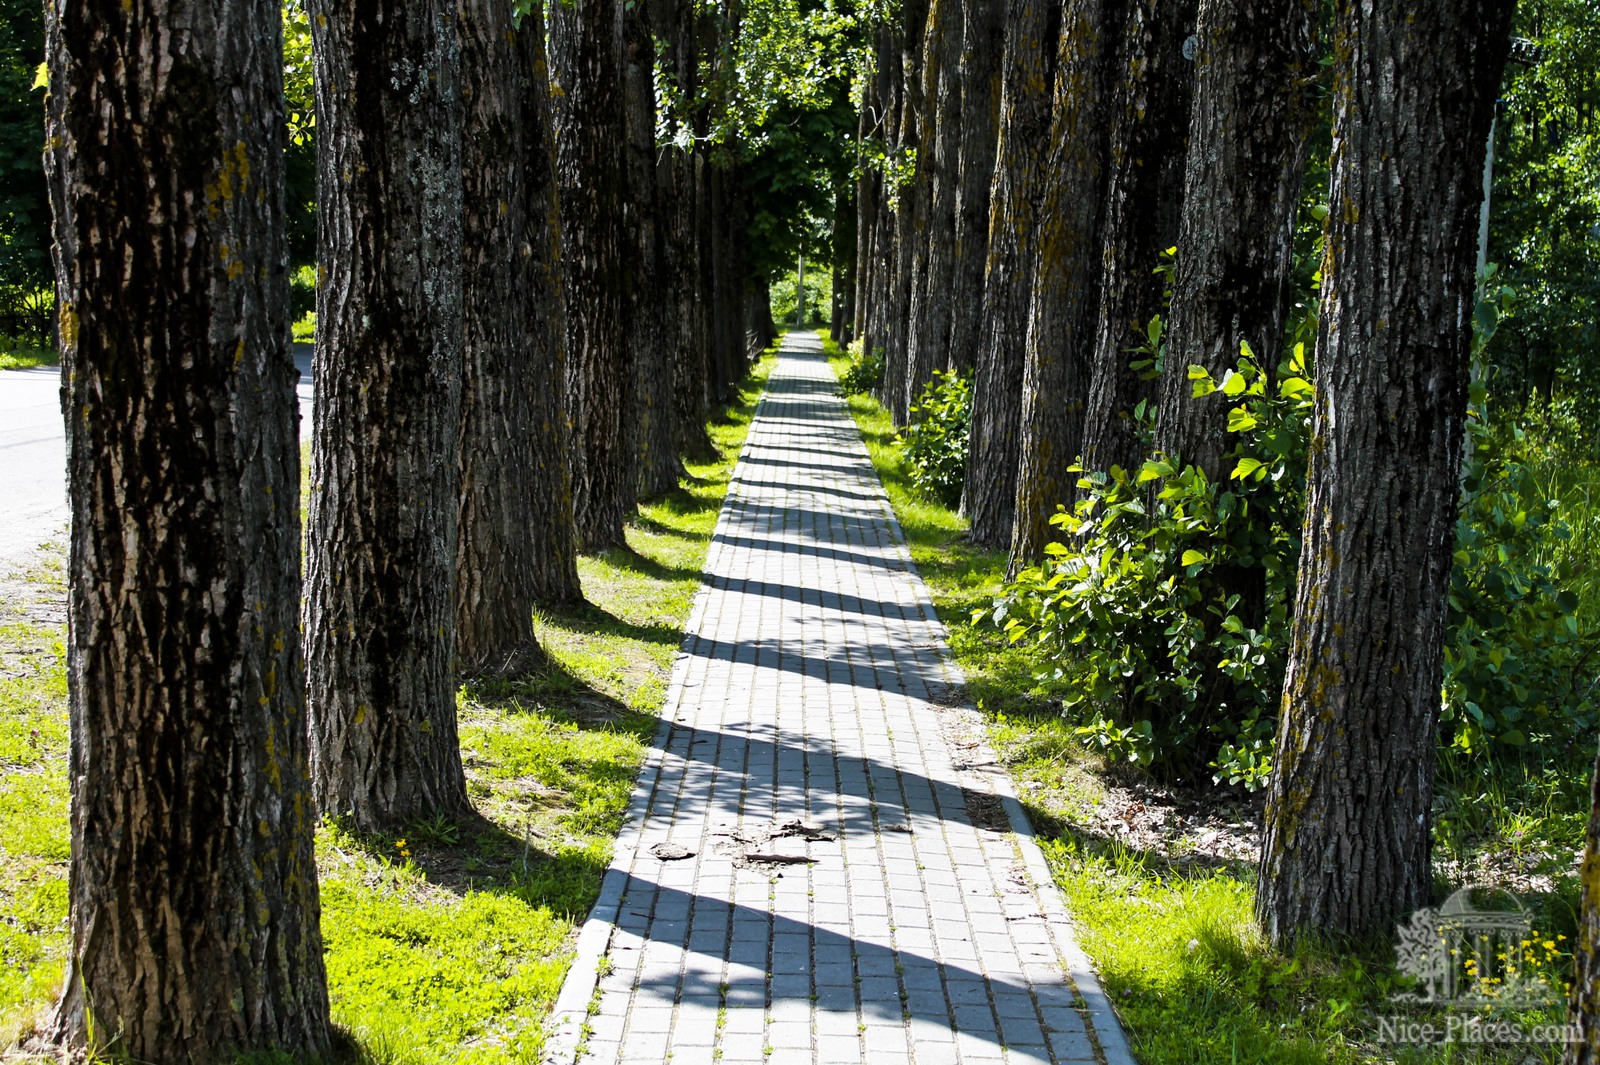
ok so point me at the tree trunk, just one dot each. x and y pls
(760, 329)
(1346, 842)
(591, 172)
(906, 82)
(842, 315)
(379, 616)
(983, 42)
(648, 334)
(1584, 1012)
(1144, 200)
(1066, 273)
(934, 203)
(993, 448)
(554, 548)
(727, 281)
(681, 267)
(1253, 112)
(516, 544)
(193, 889)
(677, 190)
(874, 231)
(869, 195)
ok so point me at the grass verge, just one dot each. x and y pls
(447, 941)
(18, 354)
(1167, 914)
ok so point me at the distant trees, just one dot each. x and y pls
(193, 892)
(1347, 839)
(24, 200)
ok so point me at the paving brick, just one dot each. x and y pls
(803, 692)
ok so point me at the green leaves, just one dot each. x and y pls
(936, 440)
(1249, 467)
(1513, 672)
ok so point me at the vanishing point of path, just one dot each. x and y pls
(823, 861)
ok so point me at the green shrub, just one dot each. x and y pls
(865, 373)
(1163, 614)
(936, 440)
(1514, 663)
(302, 293)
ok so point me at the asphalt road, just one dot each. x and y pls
(33, 456)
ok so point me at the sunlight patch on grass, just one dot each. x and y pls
(25, 355)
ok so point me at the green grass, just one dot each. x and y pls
(16, 354)
(33, 798)
(1174, 940)
(447, 941)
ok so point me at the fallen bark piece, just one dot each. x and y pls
(801, 829)
(751, 861)
(671, 852)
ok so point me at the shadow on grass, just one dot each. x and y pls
(684, 503)
(597, 621)
(629, 559)
(558, 693)
(645, 523)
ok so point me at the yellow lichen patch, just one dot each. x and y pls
(233, 178)
(68, 319)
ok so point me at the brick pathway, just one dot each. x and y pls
(824, 863)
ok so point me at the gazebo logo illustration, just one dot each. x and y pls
(1474, 950)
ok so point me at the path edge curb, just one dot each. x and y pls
(1109, 1033)
(564, 1030)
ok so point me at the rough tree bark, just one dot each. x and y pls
(905, 82)
(379, 612)
(877, 266)
(185, 680)
(1248, 138)
(869, 198)
(934, 199)
(656, 437)
(993, 448)
(1144, 199)
(677, 193)
(516, 543)
(591, 140)
(983, 40)
(1347, 834)
(841, 315)
(728, 308)
(1066, 272)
